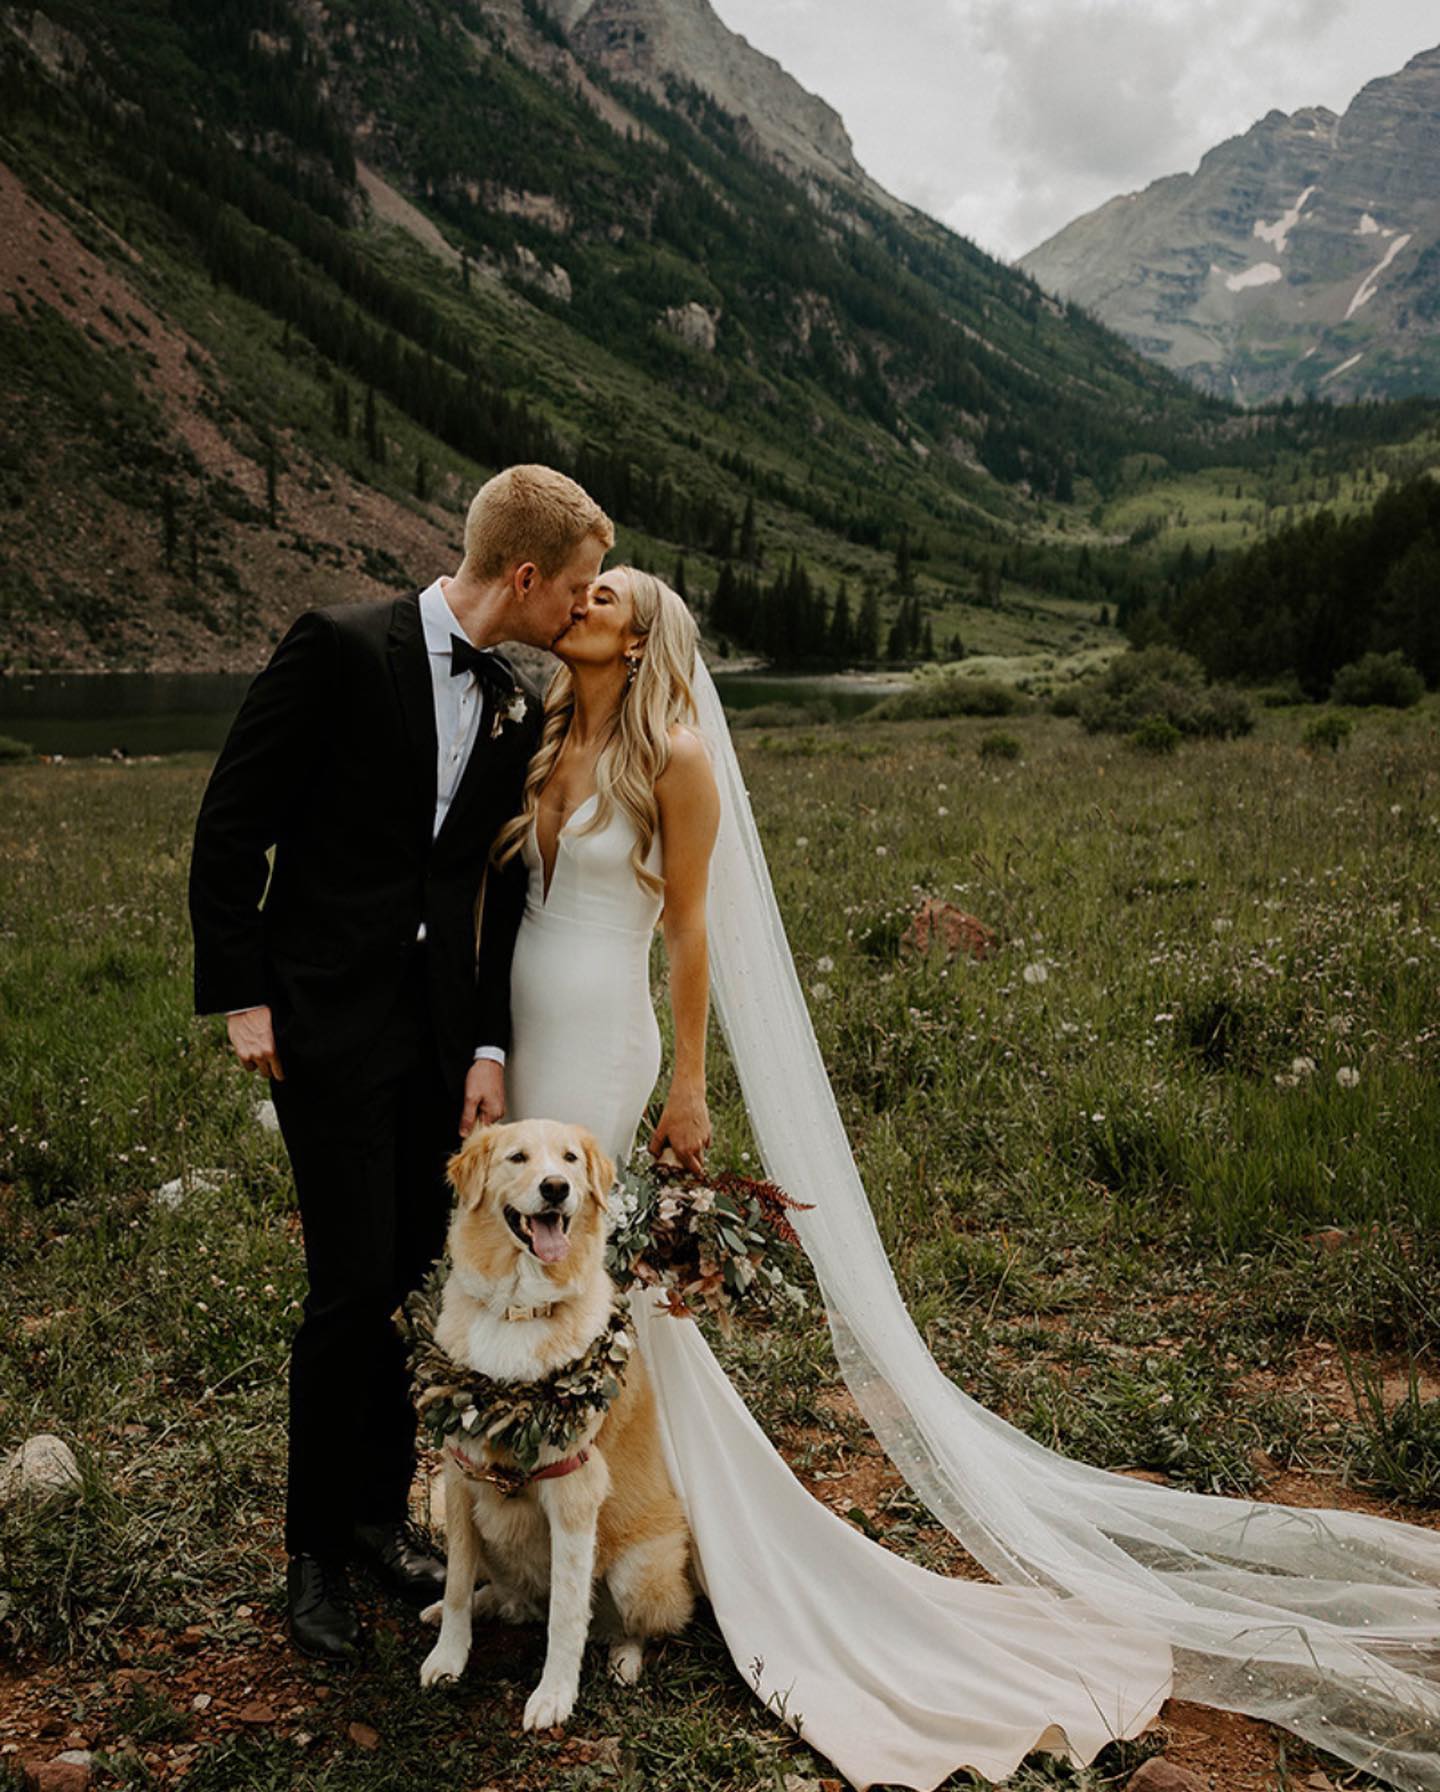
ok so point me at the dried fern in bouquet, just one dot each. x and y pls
(714, 1244)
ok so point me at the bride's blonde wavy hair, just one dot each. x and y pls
(638, 749)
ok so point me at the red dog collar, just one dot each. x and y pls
(511, 1481)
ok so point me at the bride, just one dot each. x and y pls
(1115, 1593)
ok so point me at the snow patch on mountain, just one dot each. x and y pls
(1344, 367)
(1278, 232)
(1264, 273)
(1371, 283)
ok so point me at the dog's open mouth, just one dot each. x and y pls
(546, 1234)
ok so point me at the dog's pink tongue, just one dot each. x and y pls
(547, 1237)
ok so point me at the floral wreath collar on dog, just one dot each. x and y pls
(521, 1417)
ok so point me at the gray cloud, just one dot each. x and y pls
(1008, 118)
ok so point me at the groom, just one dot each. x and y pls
(378, 754)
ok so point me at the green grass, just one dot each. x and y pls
(1131, 1203)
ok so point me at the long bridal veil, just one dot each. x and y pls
(1325, 1622)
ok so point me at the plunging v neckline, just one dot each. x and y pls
(547, 874)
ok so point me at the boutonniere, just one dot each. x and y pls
(513, 711)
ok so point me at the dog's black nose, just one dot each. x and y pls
(555, 1189)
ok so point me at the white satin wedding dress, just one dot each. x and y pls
(1326, 1622)
(898, 1676)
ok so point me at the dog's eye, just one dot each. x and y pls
(572, 1157)
(519, 1157)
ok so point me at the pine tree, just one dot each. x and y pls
(841, 646)
(422, 478)
(272, 473)
(867, 627)
(374, 440)
(340, 408)
(904, 573)
(748, 544)
(172, 524)
(678, 582)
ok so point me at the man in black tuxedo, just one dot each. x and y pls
(378, 754)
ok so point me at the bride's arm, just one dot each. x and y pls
(689, 807)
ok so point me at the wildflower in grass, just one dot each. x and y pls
(820, 991)
(1099, 1119)
(1302, 1067)
(1347, 1076)
(1221, 925)
(825, 964)
(1035, 973)
(882, 852)
(802, 841)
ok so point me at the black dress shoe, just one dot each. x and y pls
(390, 1554)
(322, 1613)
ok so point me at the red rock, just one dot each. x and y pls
(363, 1736)
(191, 1637)
(256, 1713)
(51, 1725)
(57, 1776)
(956, 931)
(1159, 1775)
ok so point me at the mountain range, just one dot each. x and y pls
(284, 280)
(1301, 259)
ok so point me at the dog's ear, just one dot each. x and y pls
(600, 1171)
(469, 1169)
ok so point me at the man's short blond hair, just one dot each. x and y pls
(531, 513)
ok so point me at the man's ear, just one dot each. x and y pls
(469, 1169)
(601, 1172)
(524, 577)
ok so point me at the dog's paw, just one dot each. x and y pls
(446, 1661)
(432, 1613)
(550, 1704)
(627, 1660)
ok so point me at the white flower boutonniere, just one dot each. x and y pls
(514, 711)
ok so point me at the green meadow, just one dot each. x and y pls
(1159, 1176)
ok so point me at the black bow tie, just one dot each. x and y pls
(494, 675)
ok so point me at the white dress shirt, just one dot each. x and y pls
(459, 711)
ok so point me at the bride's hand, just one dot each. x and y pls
(684, 1128)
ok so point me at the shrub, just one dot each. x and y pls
(950, 696)
(1155, 735)
(11, 749)
(1329, 730)
(1376, 680)
(1283, 693)
(999, 746)
(1163, 682)
(784, 715)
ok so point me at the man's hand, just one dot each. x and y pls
(484, 1095)
(253, 1036)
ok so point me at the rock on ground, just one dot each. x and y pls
(43, 1464)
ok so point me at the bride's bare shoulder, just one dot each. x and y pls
(687, 779)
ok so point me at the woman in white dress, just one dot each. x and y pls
(1328, 1623)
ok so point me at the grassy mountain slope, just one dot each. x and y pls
(282, 285)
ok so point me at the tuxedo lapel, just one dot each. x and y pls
(410, 669)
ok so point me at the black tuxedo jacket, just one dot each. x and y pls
(331, 762)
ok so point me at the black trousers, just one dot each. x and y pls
(368, 1155)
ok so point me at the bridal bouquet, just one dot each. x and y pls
(714, 1244)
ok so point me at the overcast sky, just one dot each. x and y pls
(1008, 118)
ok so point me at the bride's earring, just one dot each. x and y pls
(632, 666)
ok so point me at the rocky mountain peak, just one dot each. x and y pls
(1301, 256)
(649, 41)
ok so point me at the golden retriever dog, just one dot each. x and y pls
(528, 1292)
